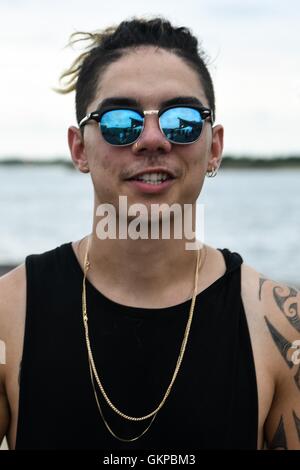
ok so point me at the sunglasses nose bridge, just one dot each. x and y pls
(152, 136)
(151, 112)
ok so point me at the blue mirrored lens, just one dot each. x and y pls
(181, 125)
(121, 126)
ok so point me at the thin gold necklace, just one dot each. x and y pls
(92, 367)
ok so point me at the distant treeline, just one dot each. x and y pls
(229, 161)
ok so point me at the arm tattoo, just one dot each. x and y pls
(297, 378)
(261, 281)
(283, 345)
(279, 438)
(287, 301)
(297, 424)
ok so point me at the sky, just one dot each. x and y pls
(253, 46)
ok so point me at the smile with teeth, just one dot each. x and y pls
(152, 178)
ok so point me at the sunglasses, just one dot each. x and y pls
(122, 126)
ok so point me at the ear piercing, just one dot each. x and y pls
(212, 173)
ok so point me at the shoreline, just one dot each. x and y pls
(5, 268)
(229, 161)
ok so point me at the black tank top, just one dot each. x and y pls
(213, 403)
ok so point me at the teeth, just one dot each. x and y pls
(153, 178)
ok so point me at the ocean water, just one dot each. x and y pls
(255, 212)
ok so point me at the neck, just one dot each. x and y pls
(151, 271)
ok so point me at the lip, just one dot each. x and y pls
(153, 170)
(150, 188)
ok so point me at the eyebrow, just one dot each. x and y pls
(125, 101)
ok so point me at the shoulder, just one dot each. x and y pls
(273, 313)
(12, 291)
(12, 287)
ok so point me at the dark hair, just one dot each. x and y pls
(109, 45)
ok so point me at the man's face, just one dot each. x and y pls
(149, 76)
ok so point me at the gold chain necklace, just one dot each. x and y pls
(92, 367)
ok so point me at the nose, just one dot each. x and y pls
(151, 140)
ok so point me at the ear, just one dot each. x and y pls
(216, 149)
(77, 149)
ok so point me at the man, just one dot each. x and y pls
(127, 342)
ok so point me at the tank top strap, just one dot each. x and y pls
(232, 259)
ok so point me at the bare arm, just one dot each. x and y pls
(4, 408)
(281, 306)
(12, 317)
(4, 414)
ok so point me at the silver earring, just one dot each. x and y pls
(212, 173)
